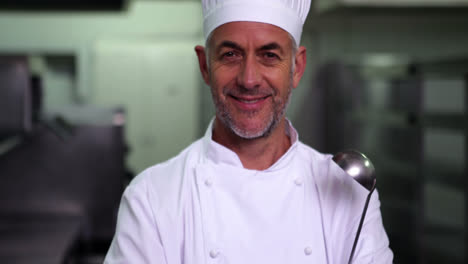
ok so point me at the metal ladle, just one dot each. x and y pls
(358, 166)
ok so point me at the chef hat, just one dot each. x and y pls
(289, 15)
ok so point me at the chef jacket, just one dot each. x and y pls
(203, 206)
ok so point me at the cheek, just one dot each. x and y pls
(280, 79)
(222, 77)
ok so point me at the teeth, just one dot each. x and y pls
(249, 101)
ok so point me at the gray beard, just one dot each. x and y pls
(278, 113)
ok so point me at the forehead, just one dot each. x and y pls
(250, 33)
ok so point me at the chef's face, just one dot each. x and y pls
(251, 73)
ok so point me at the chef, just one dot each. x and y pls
(249, 191)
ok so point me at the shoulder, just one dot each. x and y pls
(307, 152)
(331, 181)
(338, 192)
(322, 165)
(162, 182)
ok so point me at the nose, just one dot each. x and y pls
(249, 76)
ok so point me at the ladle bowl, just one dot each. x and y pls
(358, 166)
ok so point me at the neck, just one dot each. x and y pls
(255, 154)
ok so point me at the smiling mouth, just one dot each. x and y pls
(249, 100)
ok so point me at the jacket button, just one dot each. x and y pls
(214, 253)
(298, 181)
(208, 182)
(308, 251)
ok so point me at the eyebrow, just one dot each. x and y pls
(233, 45)
(228, 44)
(271, 46)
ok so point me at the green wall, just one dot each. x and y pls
(74, 33)
(140, 58)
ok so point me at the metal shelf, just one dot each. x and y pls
(330, 5)
(408, 120)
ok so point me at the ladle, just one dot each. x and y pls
(358, 166)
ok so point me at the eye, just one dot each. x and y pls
(270, 55)
(229, 54)
(270, 58)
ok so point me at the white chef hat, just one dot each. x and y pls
(289, 15)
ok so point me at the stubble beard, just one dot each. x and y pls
(276, 114)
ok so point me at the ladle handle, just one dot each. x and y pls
(361, 222)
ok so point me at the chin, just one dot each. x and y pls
(252, 131)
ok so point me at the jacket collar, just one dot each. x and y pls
(216, 153)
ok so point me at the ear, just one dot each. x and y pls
(300, 65)
(200, 50)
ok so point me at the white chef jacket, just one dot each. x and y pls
(202, 206)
